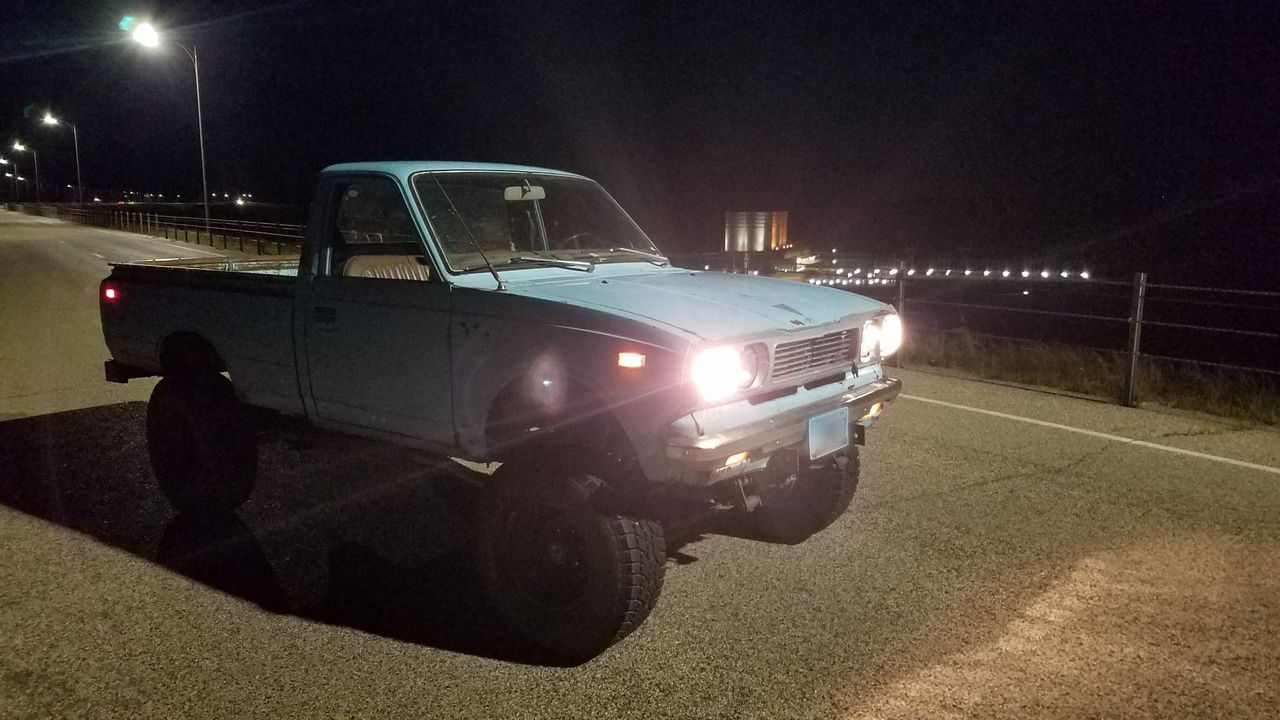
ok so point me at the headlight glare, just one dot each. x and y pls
(890, 335)
(870, 341)
(720, 372)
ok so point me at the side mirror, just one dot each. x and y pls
(516, 193)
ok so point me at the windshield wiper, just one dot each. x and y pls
(567, 264)
(654, 258)
(502, 285)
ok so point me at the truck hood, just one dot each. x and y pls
(706, 305)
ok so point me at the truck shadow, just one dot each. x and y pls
(340, 531)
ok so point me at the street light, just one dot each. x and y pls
(49, 119)
(34, 158)
(145, 34)
(5, 161)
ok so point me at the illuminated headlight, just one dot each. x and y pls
(870, 341)
(880, 338)
(890, 335)
(720, 372)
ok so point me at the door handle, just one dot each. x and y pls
(324, 314)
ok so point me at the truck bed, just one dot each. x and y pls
(242, 307)
(258, 271)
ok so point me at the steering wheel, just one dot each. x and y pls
(575, 239)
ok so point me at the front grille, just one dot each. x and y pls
(792, 359)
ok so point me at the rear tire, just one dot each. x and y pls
(203, 448)
(819, 495)
(568, 575)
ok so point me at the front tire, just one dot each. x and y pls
(568, 575)
(203, 449)
(817, 497)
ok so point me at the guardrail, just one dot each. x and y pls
(1202, 315)
(262, 238)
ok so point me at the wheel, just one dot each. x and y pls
(819, 495)
(203, 449)
(571, 578)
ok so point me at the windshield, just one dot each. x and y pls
(525, 219)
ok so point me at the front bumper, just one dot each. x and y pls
(702, 459)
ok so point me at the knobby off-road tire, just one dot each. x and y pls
(818, 497)
(570, 577)
(203, 449)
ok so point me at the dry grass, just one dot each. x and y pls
(1230, 393)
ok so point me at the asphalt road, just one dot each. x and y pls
(1010, 553)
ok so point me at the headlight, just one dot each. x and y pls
(870, 341)
(890, 335)
(880, 338)
(720, 372)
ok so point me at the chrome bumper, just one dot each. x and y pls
(709, 452)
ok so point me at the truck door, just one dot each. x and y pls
(377, 325)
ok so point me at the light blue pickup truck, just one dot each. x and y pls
(515, 315)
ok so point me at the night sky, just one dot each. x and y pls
(1126, 130)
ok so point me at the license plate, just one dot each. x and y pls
(828, 432)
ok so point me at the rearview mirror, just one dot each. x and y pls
(516, 193)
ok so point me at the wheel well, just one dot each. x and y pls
(572, 425)
(186, 353)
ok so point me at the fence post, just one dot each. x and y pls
(1129, 389)
(899, 358)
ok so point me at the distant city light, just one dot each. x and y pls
(1044, 273)
(929, 271)
(893, 271)
(706, 267)
(1084, 274)
(1026, 273)
(968, 272)
(985, 273)
(1064, 274)
(948, 272)
(857, 271)
(912, 271)
(1026, 292)
(240, 201)
(1004, 273)
(97, 199)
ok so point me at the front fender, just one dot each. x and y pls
(517, 380)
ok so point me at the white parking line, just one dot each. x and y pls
(1100, 435)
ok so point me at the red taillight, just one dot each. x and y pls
(110, 293)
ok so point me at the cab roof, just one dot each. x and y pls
(405, 168)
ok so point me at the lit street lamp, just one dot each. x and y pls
(5, 161)
(49, 119)
(146, 35)
(34, 158)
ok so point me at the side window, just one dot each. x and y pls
(373, 234)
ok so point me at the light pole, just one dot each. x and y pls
(16, 180)
(49, 119)
(5, 161)
(34, 159)
(147, 36)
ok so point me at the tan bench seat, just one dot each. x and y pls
(387, 267)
